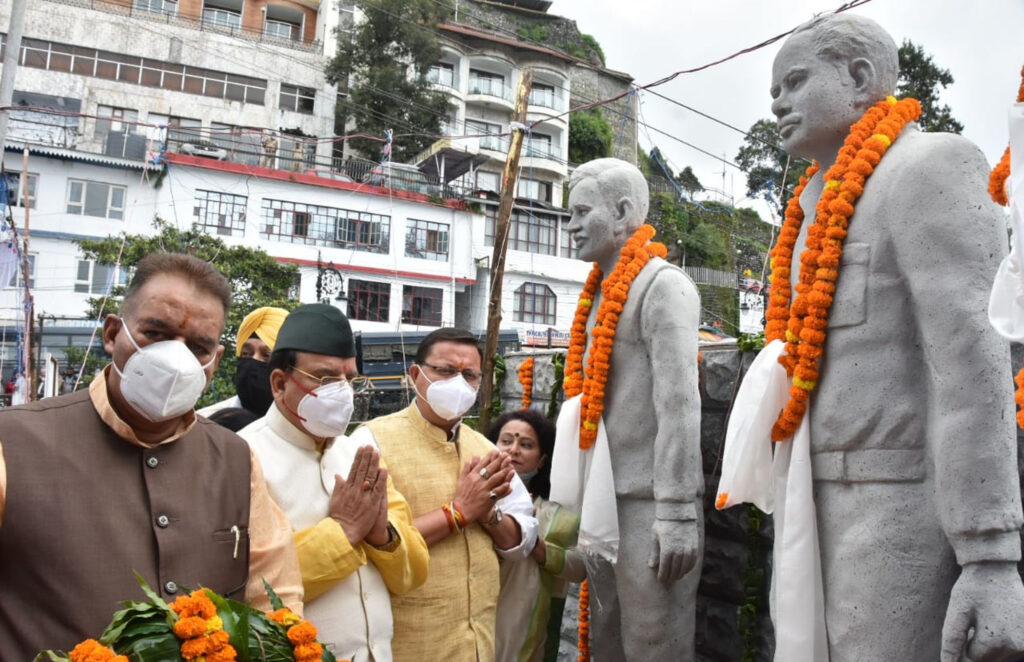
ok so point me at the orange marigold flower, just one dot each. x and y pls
(189, 627)
(225, 654)
(302, 633)
(310, 651)
(193, 648)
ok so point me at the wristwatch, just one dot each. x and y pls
(394, 540)
(495, 518)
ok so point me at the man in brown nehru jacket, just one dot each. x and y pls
(124, 476)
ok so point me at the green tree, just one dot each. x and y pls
(590, 136)
(764, 162)
(922, 79)
(688, 181)
(256, 280)
(385, 63)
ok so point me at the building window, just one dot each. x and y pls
(15, 194)
(567, 247)
(140, 71)
(534, 190)
(96, 278)
(220, 213)
(533, 232)
(542, 94)
(368, 300)
(180, 130)
(535, 303)
(442, 73)
(114, 120)
(158, 6)
(298, 99)
(315, 225)
(87, 198)
(486, 131)
(17, 281)
(539, 145)
(488, 181)
(484, 82)
(223, 17)
(422, 305)
(427, 240)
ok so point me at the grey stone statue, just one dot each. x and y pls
(643, 606)
(912, 434)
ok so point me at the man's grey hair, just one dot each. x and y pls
(844, 37)
(616, 179)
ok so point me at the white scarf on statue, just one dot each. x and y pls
(1006, 304)
(582, 482)
(781, 484)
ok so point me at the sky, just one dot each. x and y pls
(980, 42)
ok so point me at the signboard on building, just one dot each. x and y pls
(543, 338)
(751, 305)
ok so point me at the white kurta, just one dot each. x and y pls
(353, 617)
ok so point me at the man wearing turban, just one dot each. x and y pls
(256, 338)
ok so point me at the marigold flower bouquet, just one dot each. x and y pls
(201, 626)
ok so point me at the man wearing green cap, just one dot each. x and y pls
(353, 531)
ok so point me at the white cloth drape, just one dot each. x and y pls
(1006, 304)
(583, 482)
(782, 485)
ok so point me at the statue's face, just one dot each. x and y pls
(814, 100)
(595, 224)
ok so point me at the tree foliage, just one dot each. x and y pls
(590, 136)
(385, 63)
(764, 162)
(256, 280)
(922, 79)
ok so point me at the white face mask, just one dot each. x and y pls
(450, 398)
(326, 410)
(162, 380)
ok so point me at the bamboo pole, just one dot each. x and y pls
(508, 193)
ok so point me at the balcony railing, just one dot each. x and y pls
(542, 151)
(546, 99)
(250, 146)
(494, 143)
(212, 20)
(443, 76)
(491, 87)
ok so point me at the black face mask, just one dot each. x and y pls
(252, 383)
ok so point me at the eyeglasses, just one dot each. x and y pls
(321, 381)
(448, 372)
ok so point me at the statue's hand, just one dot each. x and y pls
(674, 549)
(988, 598)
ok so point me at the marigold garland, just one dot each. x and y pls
(1018, 397)
(301, 633)
(806, 315)
(583, 640)
(635, 254)
(526, 380)
(91, 650)
(201, 629)
(997, 178)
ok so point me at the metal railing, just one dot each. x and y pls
(443, 76)
(213, 23)
(547, 99)
(248, 146)
(705, 276)
(541, 150)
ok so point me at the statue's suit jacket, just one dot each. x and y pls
(652, 407)
(915, 384)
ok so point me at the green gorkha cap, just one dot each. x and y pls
(318, 328)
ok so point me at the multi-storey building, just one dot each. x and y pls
(232, 105)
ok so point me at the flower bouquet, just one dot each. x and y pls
(201, 626)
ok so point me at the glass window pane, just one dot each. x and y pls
(96, 196)
(83, 270)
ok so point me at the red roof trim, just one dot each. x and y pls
(379, 271)
(306, 178)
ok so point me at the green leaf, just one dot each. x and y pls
(153, 597)
(275, 600)
(51, 656)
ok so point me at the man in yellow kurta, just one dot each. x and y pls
(353, 530)
(465, 498)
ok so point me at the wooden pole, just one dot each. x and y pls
(14, 31)
(26, 273)
(508, 193)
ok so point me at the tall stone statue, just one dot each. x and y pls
(630, 459)
(902, 385)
